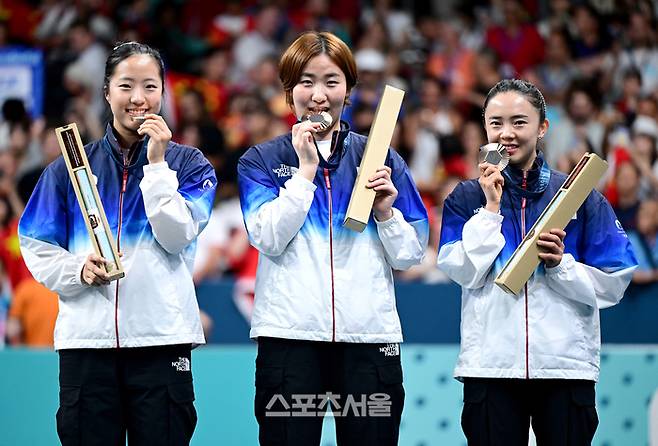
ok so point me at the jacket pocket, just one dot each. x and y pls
(583, 395)
(475, 391)
(68, 415)
(583, 399)
(268, 377)
(269, 382)
(475, 412)
(270, 405)
(390, 374)
(182, 414)
(391, 391)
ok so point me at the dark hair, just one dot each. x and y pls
(632, 73)
(13, 110)
(524, 88)
(83, 23)
(123, 51)
(586, 86)
(306, 47)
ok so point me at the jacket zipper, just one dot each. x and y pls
(525, 287)
(331, 255)
(116, 297)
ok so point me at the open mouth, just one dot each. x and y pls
(511, 148)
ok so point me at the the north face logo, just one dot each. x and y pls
(285, 171)
(390, 350)
(182, 365)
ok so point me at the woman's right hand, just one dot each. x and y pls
(92, 273)
(304, 144)
(492, 182)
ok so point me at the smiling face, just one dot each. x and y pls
(511, 120)
(135, 88)
(321, 87)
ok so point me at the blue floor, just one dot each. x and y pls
(224, 377)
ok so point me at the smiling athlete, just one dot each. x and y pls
(325, 316)
(534, 355)
(124, 348)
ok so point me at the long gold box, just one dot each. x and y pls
(561, 209)
(87, 194)
(374, 155)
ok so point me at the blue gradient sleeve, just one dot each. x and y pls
(605, 245)
(408, 201)
(255, 184)
(454, 217)
(45, 215)
(197, 185)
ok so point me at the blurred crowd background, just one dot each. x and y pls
(595, 62)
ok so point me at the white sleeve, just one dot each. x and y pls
(174, 222)
(469, 260)
(276, 222)
(402, 243)
(56, 268)
(587, 284)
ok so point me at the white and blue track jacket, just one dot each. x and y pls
(155, 212)
(551, 328)
(316, 279)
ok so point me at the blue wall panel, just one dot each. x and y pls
(430, 314)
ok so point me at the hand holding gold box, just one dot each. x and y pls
(374, 155)
(88, 198)
(558, 213)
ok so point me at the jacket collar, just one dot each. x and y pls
(136, 154)
(339, 143)
(536, 181)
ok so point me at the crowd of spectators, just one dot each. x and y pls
(596, 63)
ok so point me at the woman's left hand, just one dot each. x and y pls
(386, 193)
(156, 128)
(551, 247)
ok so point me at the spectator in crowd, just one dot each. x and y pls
(23, 146)
(50, 150)
(452, 63)
(371, 66)
(397, 22)
(628, 101)
(13, 114)
(251, 47)
(425, 128)
(32, 315)
(87, 68)
(580, 123)
(627, 181)
(558, 71)
(590, 39)
(11, 207)
(644, 152)
(645, 243)
(639, 52)
(487, 66)
(516, 41)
